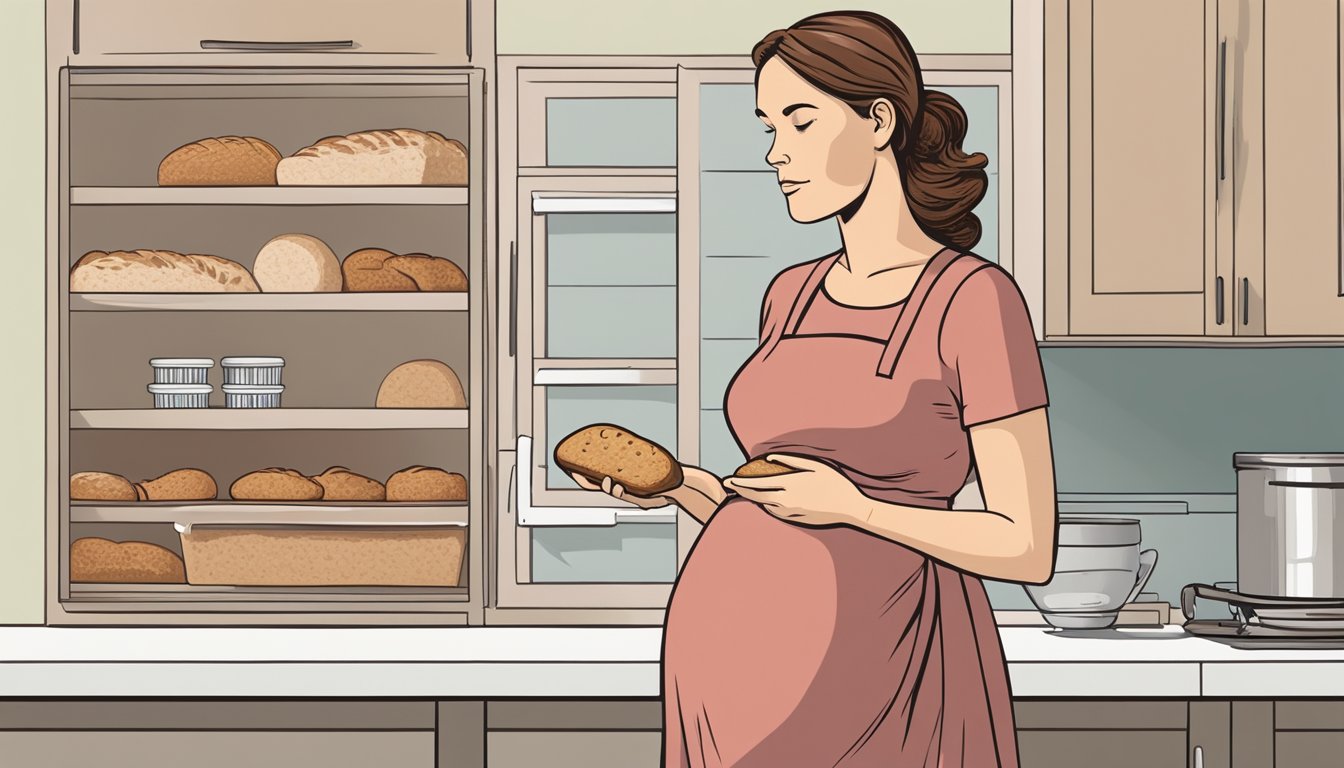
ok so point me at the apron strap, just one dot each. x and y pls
(810, 285)
(900, 334)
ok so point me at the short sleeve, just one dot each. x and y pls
(988, 343)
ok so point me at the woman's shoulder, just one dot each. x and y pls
(792, 277)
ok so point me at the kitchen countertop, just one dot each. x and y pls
(579, 662)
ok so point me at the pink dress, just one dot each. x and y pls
(793, 645)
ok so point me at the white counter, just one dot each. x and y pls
(565, 662)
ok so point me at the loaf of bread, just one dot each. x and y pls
(179, 485)
(340, 484)
(381, 157)
(419, 483)
(639, 465)
(762, 468)
(222, 161)
(430, 273)
(148, 271)
(100, 560)
(366, 270)
(100, 486)
(275, 484)
(421, 384)
(297, 264)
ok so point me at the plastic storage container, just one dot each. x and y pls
(248, 396)
(323, 555)
(181, 370)
(252, 371)
(181, 395)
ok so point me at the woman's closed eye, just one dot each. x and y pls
(801, 127)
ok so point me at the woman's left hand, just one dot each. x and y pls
(816, 494)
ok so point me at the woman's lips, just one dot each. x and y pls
(789, 187)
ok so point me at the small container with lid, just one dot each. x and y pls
(181, 370)
(181, 395)
(252, 371)
(252, 395)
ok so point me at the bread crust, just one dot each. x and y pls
(366, 270)
(151, 271)
(94, 559)
(421, 384)
(100, 486)
(641, 466)
(340, 484)
(421, 483)
(275, 484)
(430, 273)
(762, 468)
(188, 484)
(397, 156)
(221, 161)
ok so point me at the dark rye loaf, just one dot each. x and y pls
(641, 466)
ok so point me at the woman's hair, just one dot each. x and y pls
(858, 57)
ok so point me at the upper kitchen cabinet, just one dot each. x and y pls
(1304, 263)
(267, 32)
(1136, 190)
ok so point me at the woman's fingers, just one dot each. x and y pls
(584, 482)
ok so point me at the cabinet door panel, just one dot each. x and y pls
(1308, 749)
(200, 749)
(1303, 294)
(1141, 166)
(1101, 749)
(574, 749)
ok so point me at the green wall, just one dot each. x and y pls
(22, 313)
(714, 27)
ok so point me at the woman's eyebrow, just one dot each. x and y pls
(787, 110)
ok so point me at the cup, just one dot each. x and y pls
(1098, 569)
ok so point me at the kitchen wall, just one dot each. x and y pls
(1159, 424)
(22, 313)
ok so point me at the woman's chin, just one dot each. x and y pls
(807, 214)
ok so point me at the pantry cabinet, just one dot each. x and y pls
(284, 32)
(1193, 183)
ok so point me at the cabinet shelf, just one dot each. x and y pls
(270, 418)
(406, 301)
(210, 593)
(269, 513)
(353, 195)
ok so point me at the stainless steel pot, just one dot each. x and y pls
(1290, 524)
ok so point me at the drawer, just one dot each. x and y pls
(419, 31)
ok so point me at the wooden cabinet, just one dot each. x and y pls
(1304, 262)
(574, 734)
(1193, 183)
(266, 32)
(1060, 733)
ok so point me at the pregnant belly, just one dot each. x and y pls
(754, 610)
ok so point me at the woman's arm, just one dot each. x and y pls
(700, 493)
(1013, 539)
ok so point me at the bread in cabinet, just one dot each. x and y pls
(340, 484)
(150, 271)
(394, 157)
(94, 559)
(421, 384)
(225, 161)
(275, 484)
(101, 486)
(297, 263)
(377, 269)
(420, 483)
(187, 484)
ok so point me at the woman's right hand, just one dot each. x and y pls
(694, 479)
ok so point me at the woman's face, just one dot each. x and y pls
(823, 152)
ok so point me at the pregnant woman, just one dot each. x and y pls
(835, 615)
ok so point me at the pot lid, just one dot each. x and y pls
(1245, 460)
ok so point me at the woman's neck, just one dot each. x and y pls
(881, 235)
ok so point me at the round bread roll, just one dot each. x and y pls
(100, 486)
(297, 263)
(430, 273)
(100, 560)
(421, 384)
(275, 484)
(180, 485)
(419, 483)
(366, 270)
(221, 161)
(340, 484)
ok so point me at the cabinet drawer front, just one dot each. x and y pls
(574, 749)
(414, 28)
(259, 749)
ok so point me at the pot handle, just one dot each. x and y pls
(1147, 562)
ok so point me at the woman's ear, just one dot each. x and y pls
(882, 113)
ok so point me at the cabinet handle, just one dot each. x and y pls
(468, 30)
(513, 299)
(1218, 300)
(1199, 757)
(262, 45)
(75, 32)
(1245, 301)
(1222, 108)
